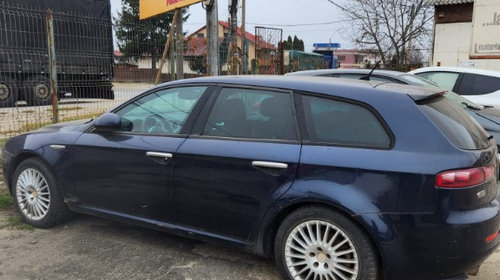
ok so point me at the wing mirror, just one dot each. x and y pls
(108, 122)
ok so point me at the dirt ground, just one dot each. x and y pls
(94, 248)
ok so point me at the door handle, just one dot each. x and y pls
(269, 164)
(165, 156)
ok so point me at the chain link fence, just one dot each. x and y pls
(103, 61)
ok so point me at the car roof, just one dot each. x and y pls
(457, 70)
(319, 72)
(324, 85)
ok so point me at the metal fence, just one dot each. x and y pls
(96, 70)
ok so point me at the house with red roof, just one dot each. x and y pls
(196, 43)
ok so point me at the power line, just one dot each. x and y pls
(299, 24)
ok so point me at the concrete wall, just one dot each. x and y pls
(452, 46)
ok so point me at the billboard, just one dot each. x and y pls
(486, 30)
(149, 8)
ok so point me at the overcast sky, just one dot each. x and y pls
(304, 18)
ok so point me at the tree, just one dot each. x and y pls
(295, 44)
(392, 29)
(137, 38)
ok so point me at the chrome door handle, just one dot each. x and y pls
(165, 156)
(58, 147)
(269, 164)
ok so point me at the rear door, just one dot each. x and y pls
(242, 155)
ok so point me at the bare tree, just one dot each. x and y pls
(392, 28)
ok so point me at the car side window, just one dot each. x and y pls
(252, 113)
(474, 84)
(160, 112)
(342, 123)
(446, 80)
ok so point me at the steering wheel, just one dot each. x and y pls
(157, 124)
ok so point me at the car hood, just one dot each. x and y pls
(489, 118)
(79, 125)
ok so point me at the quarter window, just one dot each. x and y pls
(251, 113)
(337, 122)
(160, 112)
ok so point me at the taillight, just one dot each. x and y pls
(464, 177)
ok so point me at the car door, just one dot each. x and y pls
(241, 156)
(129, 172)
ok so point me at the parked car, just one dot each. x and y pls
(488, 117)
(479, 86)
(336, 180)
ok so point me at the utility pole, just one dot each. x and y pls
(179, 46)
(233, 37)
(212, 39)
(244, 58)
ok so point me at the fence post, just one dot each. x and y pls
(49, 24)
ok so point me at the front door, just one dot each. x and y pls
(241, 158)
(129, 172)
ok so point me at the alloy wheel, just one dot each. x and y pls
(33, 194)
(319, 250)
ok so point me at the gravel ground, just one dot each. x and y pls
(94, 248)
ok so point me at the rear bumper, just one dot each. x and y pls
(440, 246)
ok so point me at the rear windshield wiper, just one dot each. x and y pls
(471, 106)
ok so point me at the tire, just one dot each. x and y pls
(8, 92)
(37, 92)
(307, 255)
(37, 195)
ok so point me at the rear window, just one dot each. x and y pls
(455, 123)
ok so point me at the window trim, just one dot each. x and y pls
(308, 141)
(197, 132)
(190, 120)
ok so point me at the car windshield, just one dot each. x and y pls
(419, 81)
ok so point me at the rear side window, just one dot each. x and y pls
(252, 113)
(473, 84)
(455, 123)
(342, 123)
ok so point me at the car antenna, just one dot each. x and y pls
(367, 77)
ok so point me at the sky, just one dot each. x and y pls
(314, 21)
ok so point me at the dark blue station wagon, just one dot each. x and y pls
(336, 179)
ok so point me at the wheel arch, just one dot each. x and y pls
(269, 230)
(18, 159)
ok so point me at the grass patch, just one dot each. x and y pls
(2, 142)
(5, 199)
(16, 222)
(74, 108)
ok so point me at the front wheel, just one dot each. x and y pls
(36, 196)
(319, 243)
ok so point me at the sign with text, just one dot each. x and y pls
(486, 29)
(149, 8)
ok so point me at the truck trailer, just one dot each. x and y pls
(83, 49)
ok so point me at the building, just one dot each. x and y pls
(355, 58)
(196, 42)
(466, 33)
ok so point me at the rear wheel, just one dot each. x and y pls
(38, 92)
(8, 92)
(36, 195)
(319, 243)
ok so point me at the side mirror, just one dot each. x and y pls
(108, 122)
